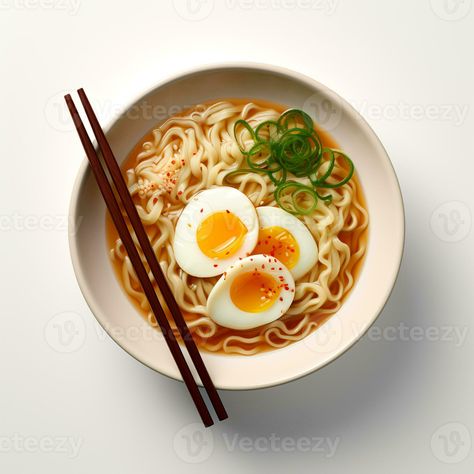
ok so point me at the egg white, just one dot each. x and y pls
(308, 250)
(185, 246)
(225, 313)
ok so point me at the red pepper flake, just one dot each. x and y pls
(227, 210)
(173, 162)
(281, 299)
(279, 268)
(263, 266)
(202, 210)
(180, 192)
(215, 265)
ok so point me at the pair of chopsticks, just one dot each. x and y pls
(114, 208)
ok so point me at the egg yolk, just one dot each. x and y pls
(221, 234)
(254, 292)
(279, 243)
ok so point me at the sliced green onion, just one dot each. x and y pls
(292, 196)
(292, 146)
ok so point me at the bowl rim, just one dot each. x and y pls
(222, 66)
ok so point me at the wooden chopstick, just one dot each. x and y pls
(122, 229)
(150, 256)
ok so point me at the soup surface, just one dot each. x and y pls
(194, 152)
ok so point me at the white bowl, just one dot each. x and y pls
(130, 330)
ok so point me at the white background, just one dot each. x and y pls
(401, 400)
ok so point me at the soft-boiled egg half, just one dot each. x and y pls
(216, 228)
(286, 238)
(254, 291)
